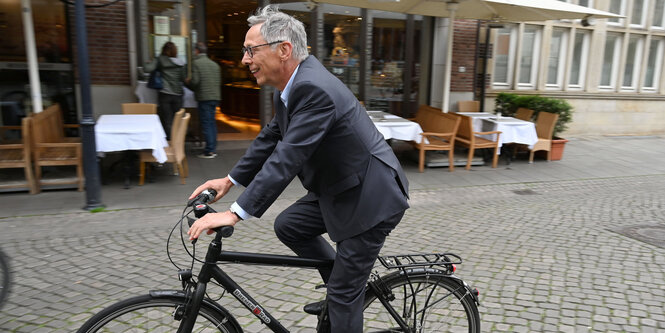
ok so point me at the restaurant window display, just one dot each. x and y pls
(389, 47)
(341, 40)
(50, 23)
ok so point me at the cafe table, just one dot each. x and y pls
(129, 132)
(395, 127)
(512, 130)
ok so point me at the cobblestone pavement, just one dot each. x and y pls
(546, 257)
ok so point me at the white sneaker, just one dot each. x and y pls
(207, 155)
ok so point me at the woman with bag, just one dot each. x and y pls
(173, 73)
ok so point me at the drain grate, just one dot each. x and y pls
(525, 192)
(650, 234)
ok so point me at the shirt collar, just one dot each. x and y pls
(284, 95)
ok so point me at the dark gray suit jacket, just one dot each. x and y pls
(325, 138)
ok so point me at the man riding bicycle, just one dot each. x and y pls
(357, 191)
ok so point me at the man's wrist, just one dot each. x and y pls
(236, 214)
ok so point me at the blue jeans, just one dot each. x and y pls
(208, 124)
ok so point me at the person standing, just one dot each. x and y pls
(174, 73)
(206, 82)
(357, 190)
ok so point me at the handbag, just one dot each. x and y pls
(155, 80)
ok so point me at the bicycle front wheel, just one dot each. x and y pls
(427, 301)
(155, 314)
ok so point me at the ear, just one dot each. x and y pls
(285, 50)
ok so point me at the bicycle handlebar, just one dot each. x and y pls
(201, 207)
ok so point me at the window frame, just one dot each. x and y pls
(616, 60)
(561, 59)
(622, 11)
(658, 65)
(584, 60)
(535, 56)
(510, 64)
(643, 15)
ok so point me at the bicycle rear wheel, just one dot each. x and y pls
(5, 277)
(428, 301)
(155, 314)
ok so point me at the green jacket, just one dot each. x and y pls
(206, 79)
(173, 71)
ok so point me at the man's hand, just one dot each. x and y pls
(221, 185)
(210, 221)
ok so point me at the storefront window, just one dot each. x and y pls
(342, 44)
(389, 47)
(167, 23)
(53, 56)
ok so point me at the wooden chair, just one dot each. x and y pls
(18, 155)
(467, 137)
(175, 152)
(139, 108)
(50, 147)
(545, 128)
(468, 106)
(524, 114)
(439, 131)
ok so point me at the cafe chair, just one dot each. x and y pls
(18, 155)
(175, 152)
(524, 114)
(468, 106)
(439, 131)
(139, 108)
(50, 147)
(545, 123)
(468, 138)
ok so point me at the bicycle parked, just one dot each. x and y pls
(421, 294)
(5, 278)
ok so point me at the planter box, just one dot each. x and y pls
(557, 148)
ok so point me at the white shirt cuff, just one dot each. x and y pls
(238, 210)
(233, 180)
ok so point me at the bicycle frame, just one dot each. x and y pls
(210, 270)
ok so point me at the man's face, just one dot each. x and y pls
(265, 65)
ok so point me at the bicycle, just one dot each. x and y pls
(5, 278)
(421, 294)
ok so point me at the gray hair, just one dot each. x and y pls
(201, 47)
(280, 26)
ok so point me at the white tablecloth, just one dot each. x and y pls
(512, 130)
(147, 95)
(394, 127)
(120, 132)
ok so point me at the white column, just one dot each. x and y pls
(452, 8)
(31, 52)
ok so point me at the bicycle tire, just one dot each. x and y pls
(151, 313)
(441, 303)
(5, 278)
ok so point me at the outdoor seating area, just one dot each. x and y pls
(39, 143)
(461, 135)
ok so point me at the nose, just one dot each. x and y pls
(246, 60)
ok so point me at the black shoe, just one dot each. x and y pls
(314, 308)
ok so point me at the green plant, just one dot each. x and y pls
(508, 103)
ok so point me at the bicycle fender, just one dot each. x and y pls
(172, 293)
(425, 270)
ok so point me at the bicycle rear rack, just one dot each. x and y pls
(403, 261)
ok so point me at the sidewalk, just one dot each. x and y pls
(575, 245)
(584, 158)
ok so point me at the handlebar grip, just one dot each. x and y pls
(203, 197)
(226, 231)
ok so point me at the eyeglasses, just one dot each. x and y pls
(250, 49)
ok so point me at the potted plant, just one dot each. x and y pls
(508, 103)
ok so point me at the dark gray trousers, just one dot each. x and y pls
(300, 228)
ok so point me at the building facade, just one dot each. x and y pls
(610, 70)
